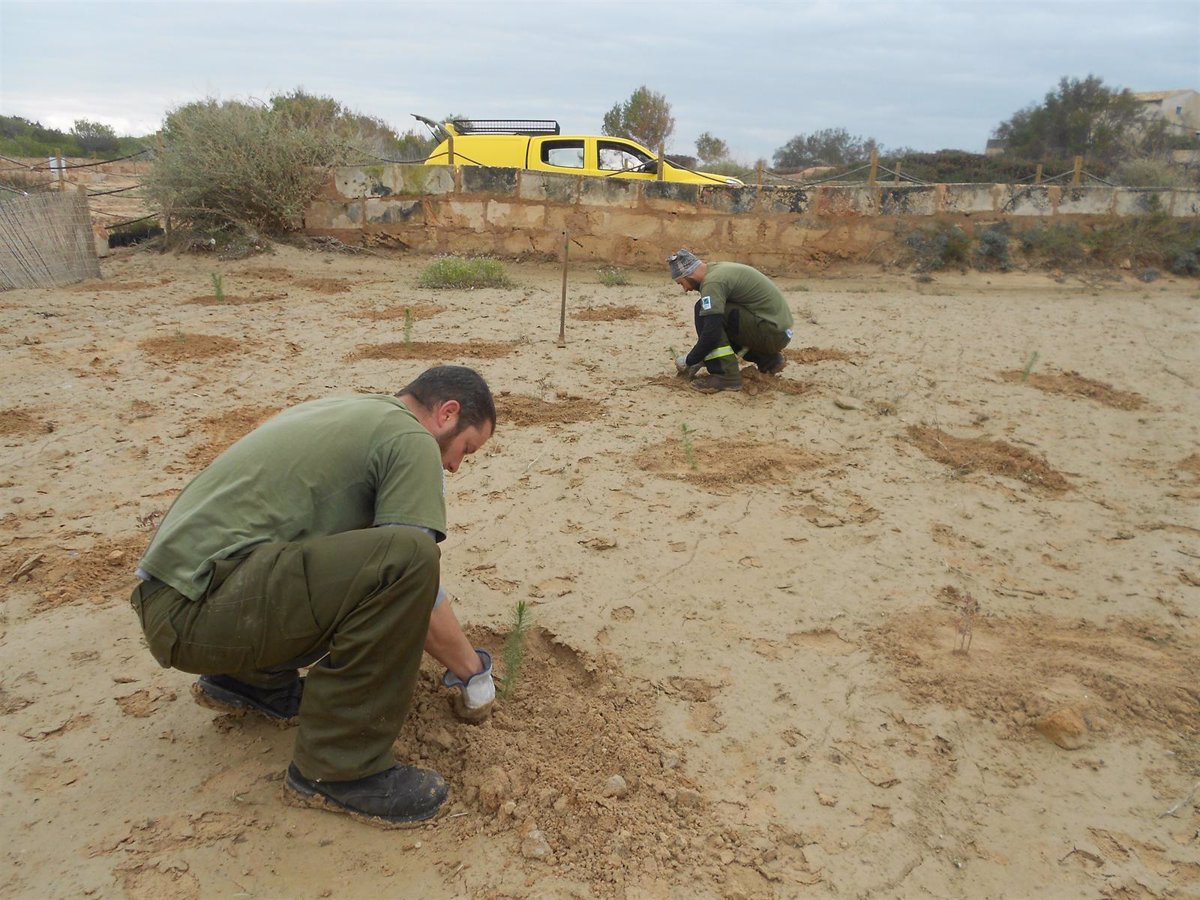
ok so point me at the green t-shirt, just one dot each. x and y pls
(320, 468)
(734, 283)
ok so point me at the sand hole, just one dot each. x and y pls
(323, 285)
(16, 421)
(63, 575)
(1128, 677)
(183, 345)
(1072, 384)
(609, 313)
(414, 310)
(225, 429)
(522, 411)
(1190, 464)
(433, 350)
(549, 754)
(721, 464)
(977, 454)
(753, 384)
(807, 356)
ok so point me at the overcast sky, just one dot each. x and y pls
(926, 74)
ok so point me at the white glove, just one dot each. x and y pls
(474, 700)
(683, 368)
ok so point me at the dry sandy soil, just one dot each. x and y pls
(917, 618)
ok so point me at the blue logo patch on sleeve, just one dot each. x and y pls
(706, 302)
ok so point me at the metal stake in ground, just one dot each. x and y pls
(562, 317)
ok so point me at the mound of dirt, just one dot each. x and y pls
(17, 421)
(183, 345)
(225, 429)
(718, 465)
(806, 356)
(65, 575)
(433, 350)
(977, 454)
(323, 285)
(1191, 464)
(1129, 677)
(573, 763)
(522, 411)
(754, 383)
(609, 313)
(413, 310)
(1072, 384)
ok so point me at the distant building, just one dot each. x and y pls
(995, 147)
(1179, 109)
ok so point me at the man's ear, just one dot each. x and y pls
(446, 414)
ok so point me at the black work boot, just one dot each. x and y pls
(718, 381)
(398, 797)
(225, 694)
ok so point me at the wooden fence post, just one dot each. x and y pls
(874, 167)
(1037, 176)
(1077, 176)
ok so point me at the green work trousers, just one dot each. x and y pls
(361, 597)
(743, 331)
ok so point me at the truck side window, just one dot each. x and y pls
(566, 154)
(618, 157)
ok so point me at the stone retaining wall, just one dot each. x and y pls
(512, 212)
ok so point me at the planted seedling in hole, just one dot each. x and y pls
(408, 324)
(1029, 364)
(218, 287)
(513, 652)
(688, 450)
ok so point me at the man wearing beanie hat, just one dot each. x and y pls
(739, 308)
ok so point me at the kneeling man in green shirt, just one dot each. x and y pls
(740, 309)
(312, 543)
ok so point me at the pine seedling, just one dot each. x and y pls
(218, 287)
(408, 326)
(513, 652)
(1029, 364)
(688, 450)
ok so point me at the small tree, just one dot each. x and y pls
(645, 117)
(94, 137)
(711, 149)
(1084, 118)
(827, 147)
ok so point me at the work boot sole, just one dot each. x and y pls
(304, 797)
(220, 700)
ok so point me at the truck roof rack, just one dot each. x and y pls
(505, 126)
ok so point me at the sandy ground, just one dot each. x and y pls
(835, 634)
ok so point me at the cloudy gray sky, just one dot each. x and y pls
(926, 74)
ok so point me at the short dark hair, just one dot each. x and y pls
(441, 383)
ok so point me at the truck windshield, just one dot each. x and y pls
(618, 157)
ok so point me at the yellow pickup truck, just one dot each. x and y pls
(537, 145)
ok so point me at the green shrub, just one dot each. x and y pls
(991, 251)
(612, 276)
(1152, 240)
(241, 164)
(939, 246)
(464, 273)
(1150, 173)
(1057, 246)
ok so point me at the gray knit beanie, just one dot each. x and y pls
(682, 263)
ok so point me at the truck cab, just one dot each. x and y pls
(539, 146)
